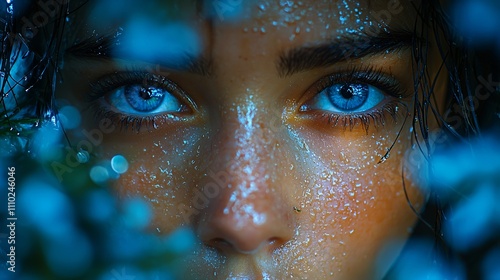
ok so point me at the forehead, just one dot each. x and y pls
(325, 18)
(344, 16)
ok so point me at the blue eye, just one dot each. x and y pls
(136, 99)
(347, 98)
(144, 100)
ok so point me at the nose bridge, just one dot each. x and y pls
(247, 212)
(245, 142)
(246, 152)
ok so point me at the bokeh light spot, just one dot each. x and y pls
(172, 43)
(99, 174)
(137, 213)
(99, 206)
(70, 117)
(119, 164)
(48, 209)
(491, 265)
(469, 221)
(181, 241)
(70, 255)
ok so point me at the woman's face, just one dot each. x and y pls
(260, 125)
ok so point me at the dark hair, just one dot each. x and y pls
(472, 106)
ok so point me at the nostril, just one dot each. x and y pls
(225, 246)
(275, 244)
(219, 244)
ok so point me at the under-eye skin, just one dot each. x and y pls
(355, 97)
(134, 99)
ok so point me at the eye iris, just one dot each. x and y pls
(348, 96)
(144, 99)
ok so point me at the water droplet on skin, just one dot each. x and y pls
(384, 158)
(304, 146)
(344, 157)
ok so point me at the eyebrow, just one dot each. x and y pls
(341, 50)
(102, 47)
(290, 62)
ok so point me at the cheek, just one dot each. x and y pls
(351, 204)
(161, 171)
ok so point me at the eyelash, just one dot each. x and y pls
(367, 75)
(105, 85)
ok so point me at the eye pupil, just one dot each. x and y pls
(146, 93)
(144, 99)
(347, 92)
(348, 97)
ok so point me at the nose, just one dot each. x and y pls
(252, 211)
(245, 225)
(225, 234)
